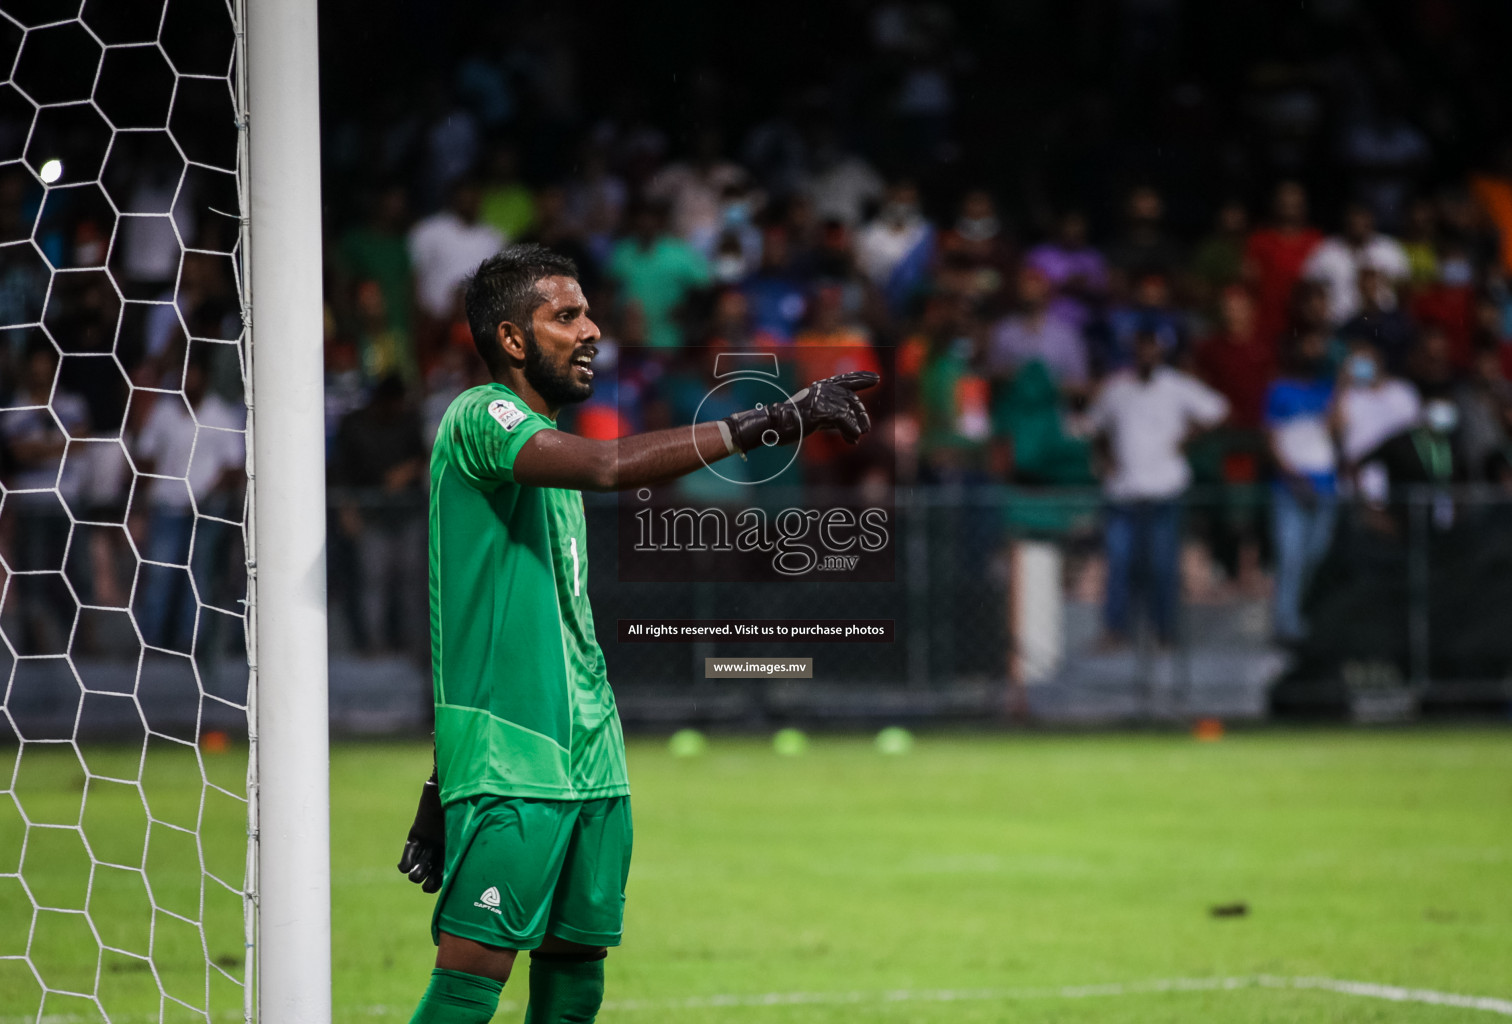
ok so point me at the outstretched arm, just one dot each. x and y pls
(555, 459)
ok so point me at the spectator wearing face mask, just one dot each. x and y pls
(1418, 465)
(1372, 405)
(1305, 496)
(738, 247)
(896, 248)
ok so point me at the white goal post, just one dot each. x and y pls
(160, 275)
(288, 774)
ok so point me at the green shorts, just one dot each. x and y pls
(518, 870)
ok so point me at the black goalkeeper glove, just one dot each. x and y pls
(425, 849)
(828, 404)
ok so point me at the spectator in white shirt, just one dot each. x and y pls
(193, 450)
(897, 233)
(1145, 416)
(694, 191)
(1337, 261)
(1372, 404)
(41, 468)
(447, 246)
(843, 185)
(152, 246)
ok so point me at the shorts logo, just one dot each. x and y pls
(489, 900)
(506, 412)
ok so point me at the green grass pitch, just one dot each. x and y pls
(970, 880)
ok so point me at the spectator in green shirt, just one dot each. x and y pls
(657, 272)
(376, 251)
(952, 396)
(1219, 260)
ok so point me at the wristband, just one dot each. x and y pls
(729, 439)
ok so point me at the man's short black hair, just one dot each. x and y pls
(504, 288)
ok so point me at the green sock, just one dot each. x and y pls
(565, 991)
(456, 998)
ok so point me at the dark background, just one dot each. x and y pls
(1056, 101)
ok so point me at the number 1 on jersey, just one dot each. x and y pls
(572, 547)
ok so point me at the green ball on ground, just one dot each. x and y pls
(790, 742)
(894, 740)
(687, 743)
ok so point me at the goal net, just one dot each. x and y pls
(125, 867)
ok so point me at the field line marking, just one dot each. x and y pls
(1400, 995)
(1365, 989)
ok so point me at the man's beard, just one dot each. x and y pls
(555, 384)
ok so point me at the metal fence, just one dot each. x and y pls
(998, 603)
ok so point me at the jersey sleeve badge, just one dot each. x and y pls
(506, 412)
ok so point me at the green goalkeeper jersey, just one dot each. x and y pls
(523, 705)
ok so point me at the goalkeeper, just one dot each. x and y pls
(525, 826)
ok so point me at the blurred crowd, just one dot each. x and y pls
(1275, 264)
(1143, 336)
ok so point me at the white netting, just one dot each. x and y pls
(123, 669)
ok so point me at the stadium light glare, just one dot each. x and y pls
(51, 170)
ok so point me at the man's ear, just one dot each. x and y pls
(511, 340)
